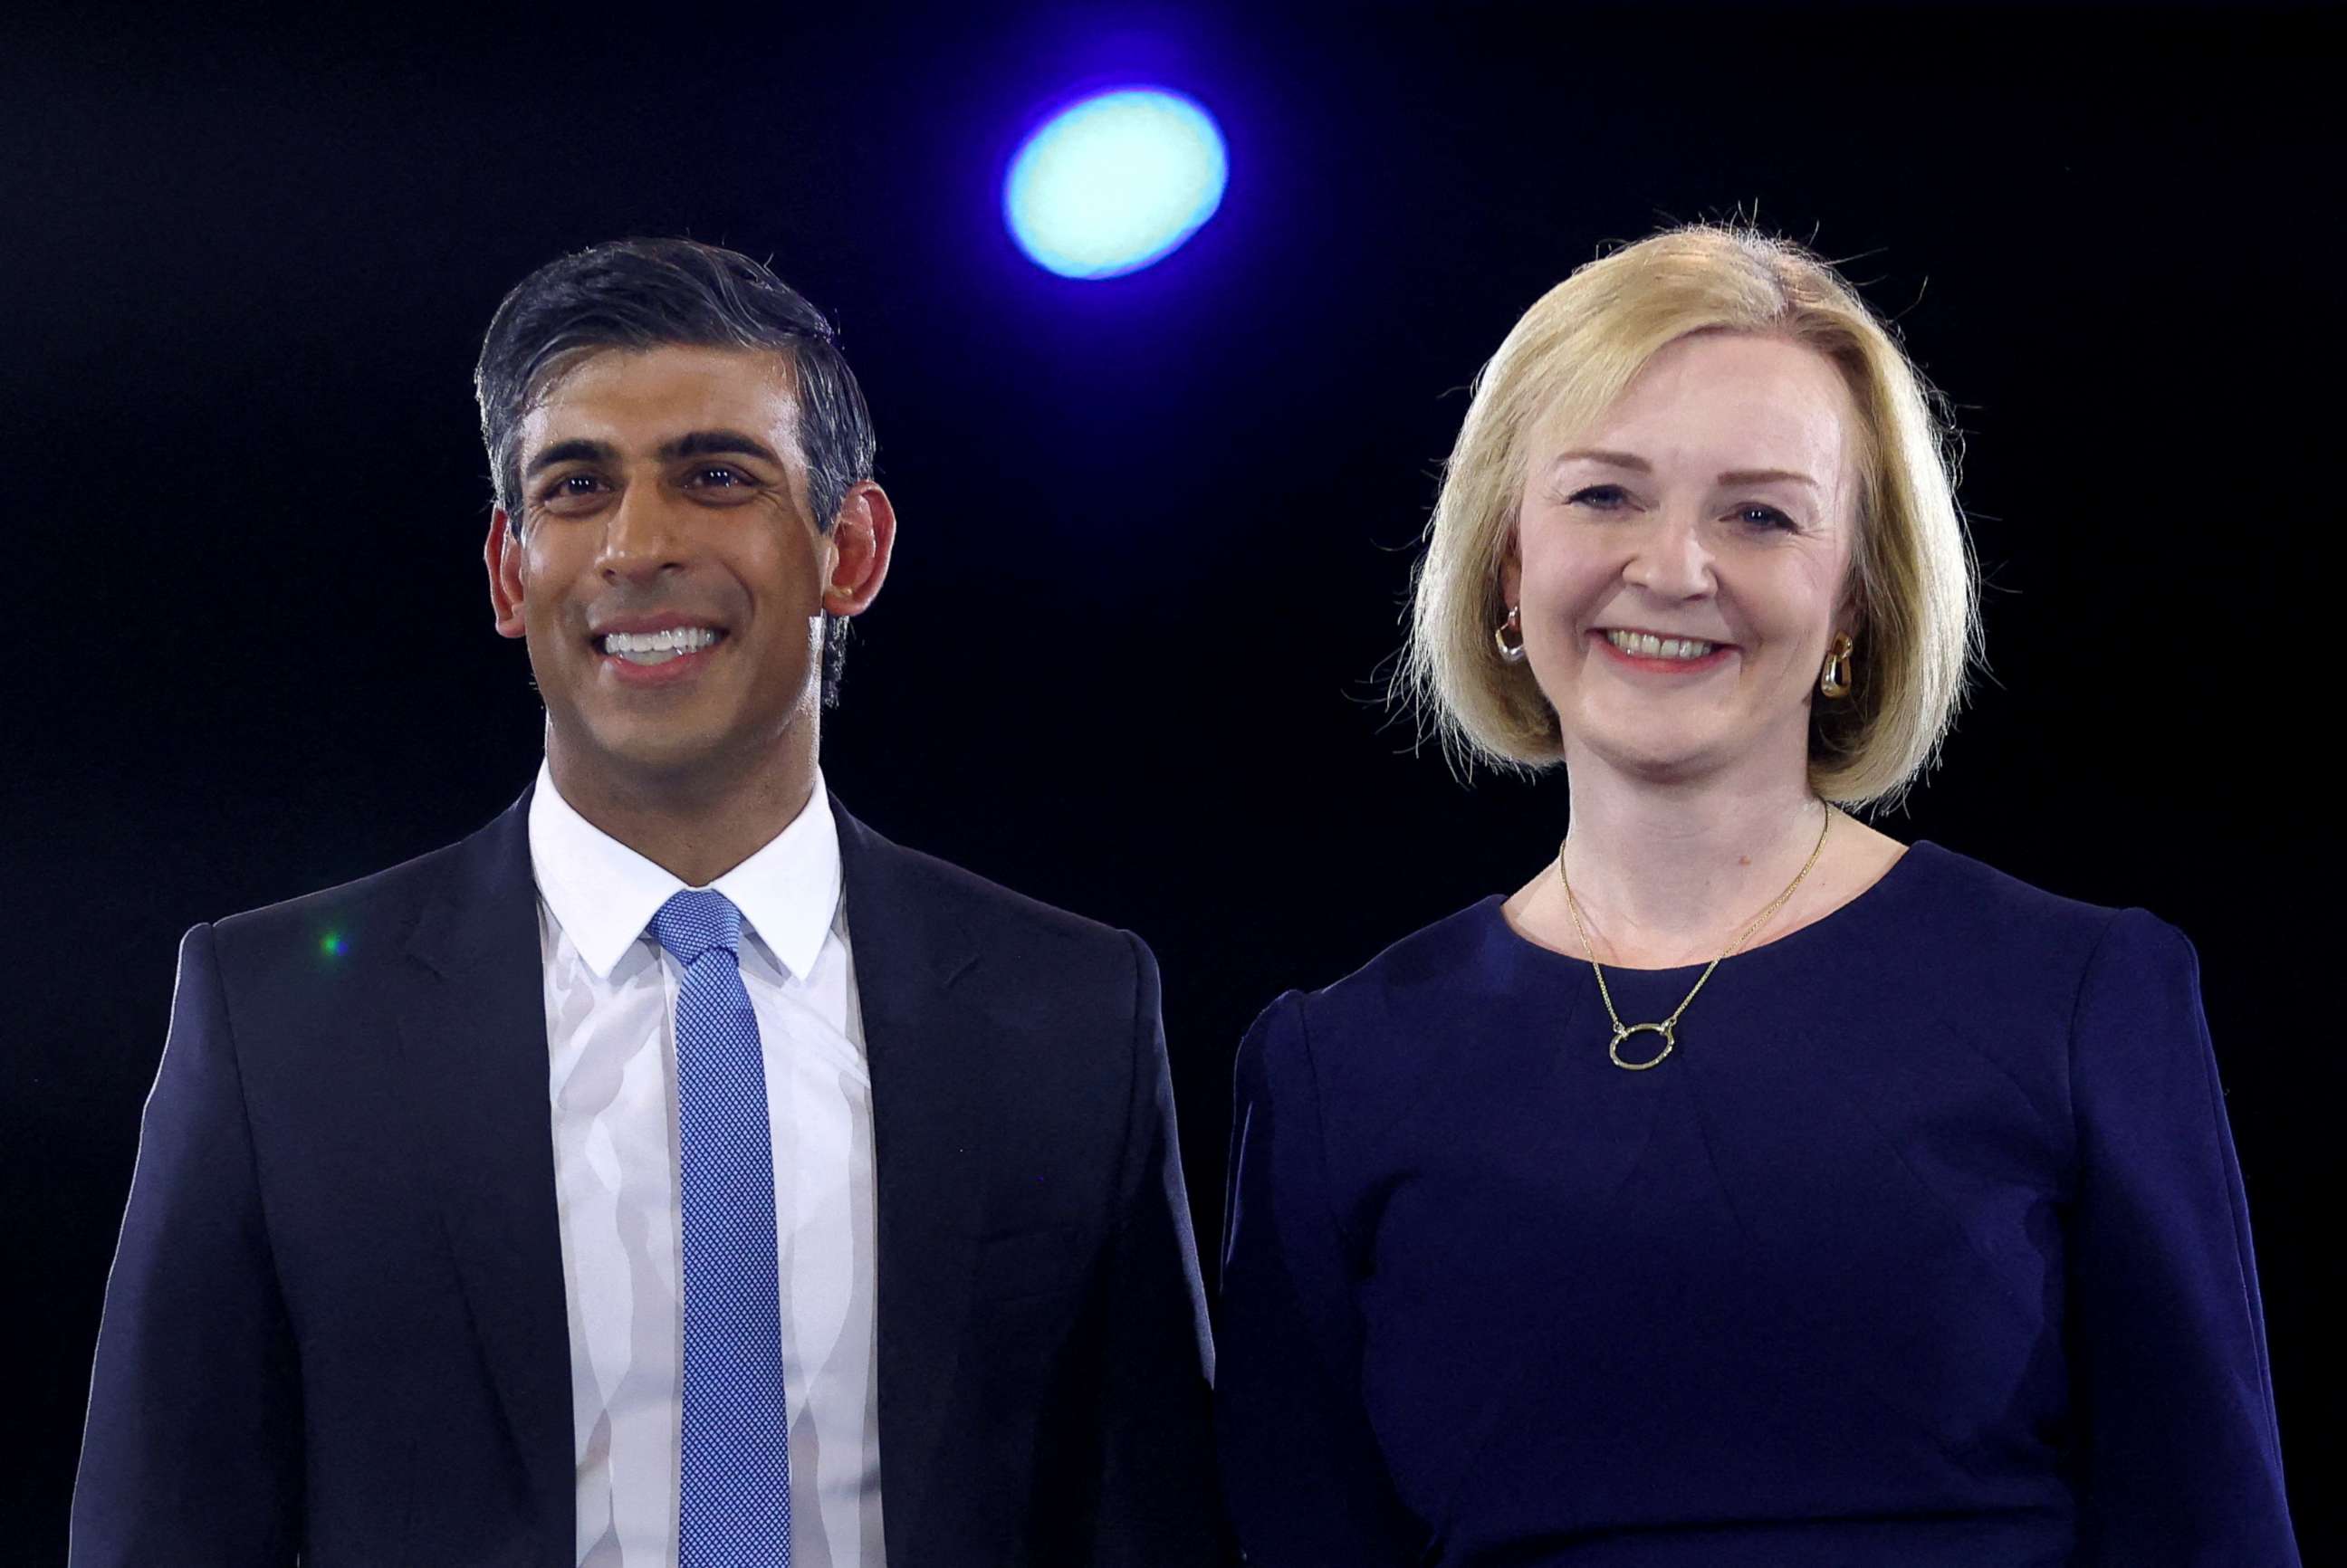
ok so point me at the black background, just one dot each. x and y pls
(1155, 531)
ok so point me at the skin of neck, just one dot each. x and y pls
(1679, 867)
(700, 822)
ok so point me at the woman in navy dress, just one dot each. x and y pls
(1747, 1187)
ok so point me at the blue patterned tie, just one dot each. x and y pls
(733, 1490)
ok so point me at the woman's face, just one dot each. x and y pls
(1680, 565)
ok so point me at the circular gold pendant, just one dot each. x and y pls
(1626, 1030)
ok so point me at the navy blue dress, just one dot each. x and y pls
(1927, 1247)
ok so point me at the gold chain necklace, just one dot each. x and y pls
(1622, 1031)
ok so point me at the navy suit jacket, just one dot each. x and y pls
(337, 1330)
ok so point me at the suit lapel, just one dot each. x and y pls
(930, 1117)
(475, 1044)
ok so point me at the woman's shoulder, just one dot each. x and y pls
(1939, 924)
(1426, 972)
(1958, 921)
(1365, 1045)
(1431, 965)
(1966, 896)
(2119, 988)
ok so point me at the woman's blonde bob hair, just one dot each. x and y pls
(1913, 581)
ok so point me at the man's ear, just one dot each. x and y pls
(502, 556)
(863, 539)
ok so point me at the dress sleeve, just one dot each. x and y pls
(2182, 1464)
(1302, 1474)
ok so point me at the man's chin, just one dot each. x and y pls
(666, 755)
(632, 757)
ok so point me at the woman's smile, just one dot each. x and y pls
(1649, 652)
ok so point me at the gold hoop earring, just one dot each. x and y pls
(1512, 653)
(1835, 679)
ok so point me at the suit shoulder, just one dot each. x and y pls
(996, 915)
(391, 899)
(405, 886)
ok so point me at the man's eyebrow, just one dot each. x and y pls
(693, 443)
(711, 443)
(572, 452)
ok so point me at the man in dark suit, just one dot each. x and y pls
(675, 1171)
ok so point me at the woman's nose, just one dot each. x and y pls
(1671, 559)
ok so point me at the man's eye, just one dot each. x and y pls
(719, 476)
(569, 487)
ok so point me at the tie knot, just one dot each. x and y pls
(696, 920)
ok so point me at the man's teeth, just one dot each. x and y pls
(1645, 645)
(657, 647)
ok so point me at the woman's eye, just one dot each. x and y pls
(1761, 516)
(1604, 498)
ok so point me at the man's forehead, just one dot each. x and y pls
(644, 397)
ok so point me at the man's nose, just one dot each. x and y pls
(642, 535)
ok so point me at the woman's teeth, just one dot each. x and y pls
(657, 647)
(1645, 645)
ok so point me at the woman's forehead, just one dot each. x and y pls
(1729, 400)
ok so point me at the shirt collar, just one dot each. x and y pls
(603, 894)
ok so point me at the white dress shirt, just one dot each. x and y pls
(611, 1010)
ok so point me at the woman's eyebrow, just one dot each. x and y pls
(1638, 465)
(1768, 475)
(1630, 460)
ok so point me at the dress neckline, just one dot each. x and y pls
(1867, 898)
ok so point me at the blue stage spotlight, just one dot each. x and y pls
(1114, 182)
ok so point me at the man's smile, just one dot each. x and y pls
(658, 650)
(647, 648)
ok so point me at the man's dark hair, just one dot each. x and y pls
(652, 294)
